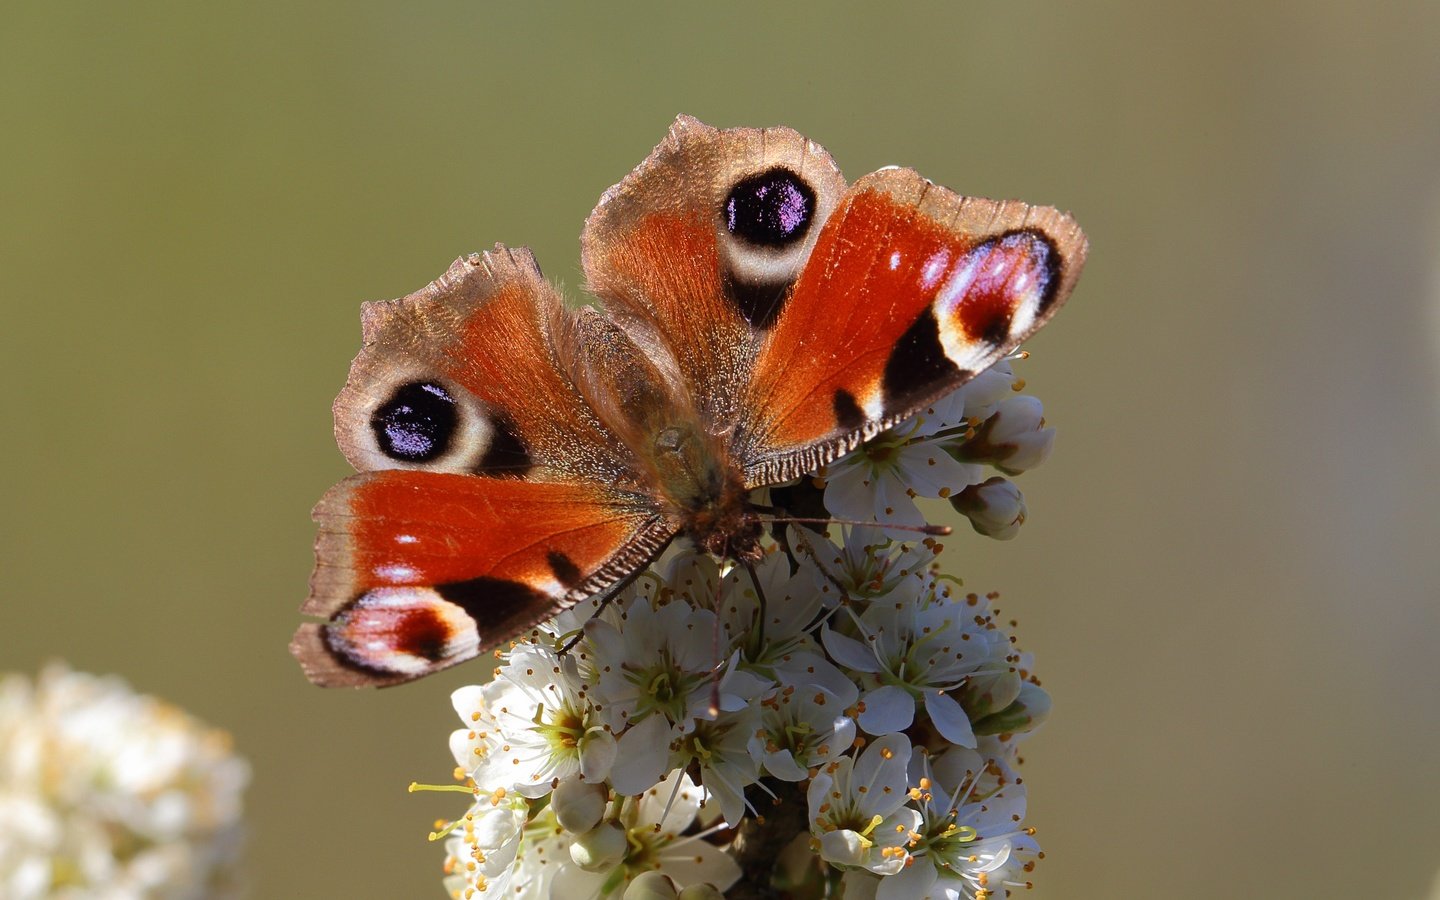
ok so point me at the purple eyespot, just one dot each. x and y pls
(771, 209)
(416, 423)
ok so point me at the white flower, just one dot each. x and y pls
(472, 744)
(980, 396)
(104, 792)
(992, 688)
(970, 843)
(857, 808)
(781, 647)
(791, 606)
(663, 662)
(545, 730)
(803, 727)
(881, 478)
(660, 670)
(918, 645)
(578, 806)
(483, 849)
(868, 564)
(719, 747)
(488, 836)
(655, 827)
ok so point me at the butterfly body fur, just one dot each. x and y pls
(761, 318)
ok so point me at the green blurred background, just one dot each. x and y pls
(1231, 572)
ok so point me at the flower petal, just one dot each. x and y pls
(949, 719)
(849, 652)
(910, 883)
(641, 755)
(889, 709)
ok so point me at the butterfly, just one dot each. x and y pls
(761, 318)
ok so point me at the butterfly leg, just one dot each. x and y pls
(606, 597)
(760, 607)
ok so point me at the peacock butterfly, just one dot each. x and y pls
(761, 318)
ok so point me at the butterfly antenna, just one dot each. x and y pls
(810, 550)
(760, 597)
(931, 530)
(606, 597)
(714, 708)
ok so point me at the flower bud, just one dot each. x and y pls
(601, 848)
(578, 806)
(995, 508)
(987, 390)
(651, 886)
(703, 891)
(1028, 711)
(1014, 439)
(988, 693)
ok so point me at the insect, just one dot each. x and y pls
(761, 318)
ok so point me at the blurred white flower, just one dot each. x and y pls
(487, 836)
(107, 793)
(486, 843)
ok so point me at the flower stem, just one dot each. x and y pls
(758, 843)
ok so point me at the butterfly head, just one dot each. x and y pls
(708, 492)
(730, 529)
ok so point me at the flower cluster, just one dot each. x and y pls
(107, 793)
(838, 719)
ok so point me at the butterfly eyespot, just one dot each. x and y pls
(771, 209)
(403, 630)
(417, 423)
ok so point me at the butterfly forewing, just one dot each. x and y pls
(696, 250)
(460, 376)
(910, 291)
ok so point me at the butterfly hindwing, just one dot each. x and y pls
(910, 291)
(417, 571)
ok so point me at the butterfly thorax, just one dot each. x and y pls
(707, 493)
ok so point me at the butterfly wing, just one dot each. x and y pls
(910, 291)
(461, 376)
(417, 571)
(490, 497)
(694, 253)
